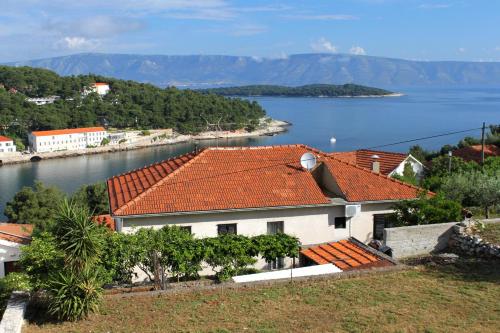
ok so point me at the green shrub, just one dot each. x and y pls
(74, 295)
(145, 132)
(424, 210)
(15, 281)
(105, 142)
(228, 255)
(122, 141)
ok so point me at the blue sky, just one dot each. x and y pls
(410, 29)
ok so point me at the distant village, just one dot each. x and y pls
(71, 139)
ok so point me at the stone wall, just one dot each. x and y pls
(464, 242)
(13, 317)
(418, 240)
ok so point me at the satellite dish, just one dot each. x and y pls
(308, 161)
(375, 157)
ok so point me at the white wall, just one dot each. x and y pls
(74, 141)
(418, 168)
(314, 225)
(7, 147)
(9, 251)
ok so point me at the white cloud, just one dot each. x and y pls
(324, 45)
(434, 6)
(323, 17)
(357, 50)
(77, 43)
(461, 49)
(497, 48)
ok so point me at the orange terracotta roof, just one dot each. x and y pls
(360, 184)
(228, 178)
(240, 178)
(473, 153)
(100, 84)
(17, 233)
(105, 220)
(363, 158)
(68, 131)
(345, 254)
(126, 187)
(4, 138)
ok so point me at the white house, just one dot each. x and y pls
(12, 237)
(387, 163)
(43, 100)
(7, 146)
(66, 139)
(257, 190)
(100, 88)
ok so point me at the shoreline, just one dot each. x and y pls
(274, 127)
(320, 96)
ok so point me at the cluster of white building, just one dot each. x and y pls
(99, 88)
(66, 139)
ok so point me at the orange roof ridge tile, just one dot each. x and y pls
(160, 182)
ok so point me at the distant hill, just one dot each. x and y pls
(219, 71)
(127, 105)
(311, 90)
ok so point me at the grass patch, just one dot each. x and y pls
(491, 233)
(456, 298)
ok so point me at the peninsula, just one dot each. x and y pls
(311, 90)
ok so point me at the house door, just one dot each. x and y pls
(380, 222)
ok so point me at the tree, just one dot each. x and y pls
(474, 188)
(424, 210)
(37, 206)
(279, 245)
(229, 254)
(75, 290)
(41, 258)
(419, 153)
(409, 176)
(94, 197)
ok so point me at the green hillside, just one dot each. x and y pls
(128, 105)
(311, 90)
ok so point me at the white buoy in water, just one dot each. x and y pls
(333, 140)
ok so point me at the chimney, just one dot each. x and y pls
(375, 164)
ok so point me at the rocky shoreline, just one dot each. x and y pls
(273, 127)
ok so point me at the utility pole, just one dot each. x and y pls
(450, 154)
(482, 144)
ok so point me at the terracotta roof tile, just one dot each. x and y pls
(473, 153)
(345, 254)
(4, 138)
(359, 184)
(68, 131)
(242, 177)
(231, 178)
(363, 158)
(17, 233)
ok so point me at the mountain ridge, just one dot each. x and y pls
(197, 71)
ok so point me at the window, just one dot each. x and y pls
(226, 229)
(275, 227)
(186, 228)
(340, 222)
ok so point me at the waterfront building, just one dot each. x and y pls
(7, 146)
(66, 139)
